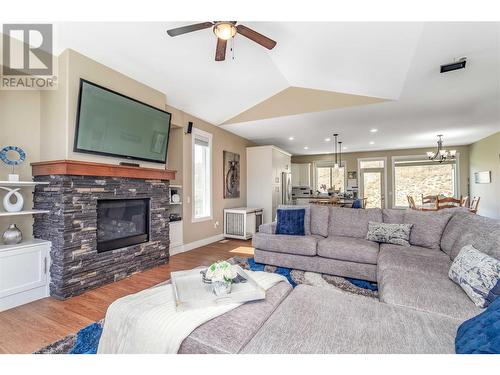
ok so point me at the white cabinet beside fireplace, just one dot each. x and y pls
(24, 273)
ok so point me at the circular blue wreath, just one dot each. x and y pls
(6, 160)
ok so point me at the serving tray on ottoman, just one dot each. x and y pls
(191, 292)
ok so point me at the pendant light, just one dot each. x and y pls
(340, 154)
(336, 164)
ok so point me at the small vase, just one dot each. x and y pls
(221, 288)
(12, 235)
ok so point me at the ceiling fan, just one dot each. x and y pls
(225, 30)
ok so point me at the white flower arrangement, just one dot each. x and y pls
(221, 271)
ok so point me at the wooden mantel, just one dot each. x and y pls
(84, 168)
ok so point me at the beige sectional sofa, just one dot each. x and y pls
(420, 308)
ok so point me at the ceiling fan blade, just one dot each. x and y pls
(220, 51)
(190, 28)
(256, 37)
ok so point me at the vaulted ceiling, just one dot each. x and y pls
(319, 79)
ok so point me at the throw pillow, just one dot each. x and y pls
(307, 217)
(481, 334)
(478, 274)
(290, 222)
(427, 227)
(397, 234)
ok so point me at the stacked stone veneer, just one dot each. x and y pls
(71, 226)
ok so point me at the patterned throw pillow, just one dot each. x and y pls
(478, 274)
(397, 234)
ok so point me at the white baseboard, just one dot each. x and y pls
(195, 244)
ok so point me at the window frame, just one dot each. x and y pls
(208, 137)
(423, 158)
(328, 164)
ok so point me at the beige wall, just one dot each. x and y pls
(20, 126)
(485, 156)
(351, 160)
(222, 140)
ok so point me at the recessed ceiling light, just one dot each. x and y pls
(328, 139)
(306, 148)
(291, 138)
(372, 143)
(373, 130)
(344, 148)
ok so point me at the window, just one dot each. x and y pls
(364, 164)
(329, 177)
(202, 175)
(420, 177)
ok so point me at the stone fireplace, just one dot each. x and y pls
(104, 223)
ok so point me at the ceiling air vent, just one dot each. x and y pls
(458, 64)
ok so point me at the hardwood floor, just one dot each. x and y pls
(26, 328)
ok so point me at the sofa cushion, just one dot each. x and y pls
(301, 245)
(478, 274)
(318, 320)
(319, 219)
(427, 227)
(481, 334)
(481, 232)
(290, 222)
(307, 216)
(351, 222)
(349, 248)
(413, 258)
(269, 228)
(397, 234)
(417, 289)
(393, 216)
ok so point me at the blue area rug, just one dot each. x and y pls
(287, 272)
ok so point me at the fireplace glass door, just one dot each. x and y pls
(122, 223)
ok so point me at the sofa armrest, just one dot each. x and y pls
(269, 228)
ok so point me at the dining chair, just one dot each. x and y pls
(465, 202)
(411, 202)
(474, 204)
(448, 202)
(429, 202)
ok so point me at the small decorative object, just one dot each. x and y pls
(8, 205)
(231, 175)
(12, 235)
(220, 275)
(12, 156)
(176, 198)
(482, 177)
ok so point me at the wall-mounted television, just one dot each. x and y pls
(112, 124)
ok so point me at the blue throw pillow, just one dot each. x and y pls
(481, 334)
(291, 222)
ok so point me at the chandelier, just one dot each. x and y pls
(441, 154)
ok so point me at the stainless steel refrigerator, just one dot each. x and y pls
(286, 188)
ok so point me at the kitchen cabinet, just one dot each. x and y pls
(301, 174)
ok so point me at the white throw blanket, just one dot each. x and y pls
(147, 322)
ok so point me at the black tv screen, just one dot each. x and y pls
(112, 124)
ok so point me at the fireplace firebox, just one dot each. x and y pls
(122, 223)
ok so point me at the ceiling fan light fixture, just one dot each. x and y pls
(224, 30)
